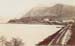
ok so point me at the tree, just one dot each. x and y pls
(2, 41)
(17, 42)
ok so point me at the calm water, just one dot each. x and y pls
(31, 34)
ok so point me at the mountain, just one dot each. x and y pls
(37, 15)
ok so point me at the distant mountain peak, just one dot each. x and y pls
(57, 12)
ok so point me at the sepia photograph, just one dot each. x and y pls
(37, 22)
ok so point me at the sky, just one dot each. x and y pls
(17, 8)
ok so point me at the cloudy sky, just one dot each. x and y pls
(14, 8)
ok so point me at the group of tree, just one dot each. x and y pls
(12, 42)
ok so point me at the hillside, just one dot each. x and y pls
(38, 15)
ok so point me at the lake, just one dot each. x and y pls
(30, 33)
